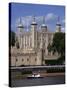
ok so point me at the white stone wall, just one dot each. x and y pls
(31, 45)
(18, 60)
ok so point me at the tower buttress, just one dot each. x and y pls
(34, 33)
(19, 34)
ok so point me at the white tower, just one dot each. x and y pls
(34, 33)
(20, 30)
(58, 26)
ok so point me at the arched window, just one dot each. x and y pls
(22, 59)
(44, 51)
(17, 45)
(44, 44)
(35, 59)
(27, 59)
(16, 59)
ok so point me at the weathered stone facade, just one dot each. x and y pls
(33, 45)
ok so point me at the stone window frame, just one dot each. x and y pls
(22, 59)
(16, 59)
(35, 59)
(27, 59)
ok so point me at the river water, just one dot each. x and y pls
(48, 80)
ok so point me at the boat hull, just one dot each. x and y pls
(34, 77)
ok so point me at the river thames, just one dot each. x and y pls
(47, 80)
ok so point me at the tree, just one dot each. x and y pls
(12, 38)
(59, 43)
(49, 47)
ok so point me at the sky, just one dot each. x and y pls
(25, 12)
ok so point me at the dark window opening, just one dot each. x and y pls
(22, 60)
(27, 59)
(16, 60)
(35, 59)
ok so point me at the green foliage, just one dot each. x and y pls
(59, 43)
(49, 47)
(12, 37)
(61, 60)
(58, 61)
(51, 62)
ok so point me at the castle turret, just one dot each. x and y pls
(20, 30)
(58, 26)
(20, 26)
(44, 45)
(44, 26)
(34, 33)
